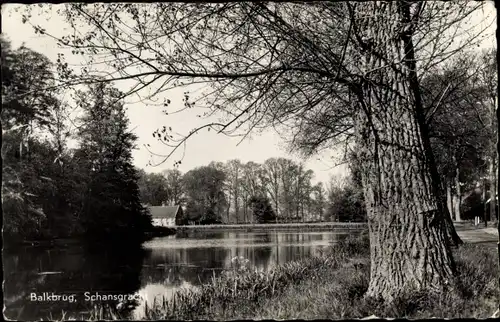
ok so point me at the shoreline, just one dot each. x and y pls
(12, 243)
(273, 226)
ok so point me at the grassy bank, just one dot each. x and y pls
(332, 287)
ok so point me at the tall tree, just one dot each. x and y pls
(318, 201)
(153, 188)
(174, 186)
(234, 174)
(459, 100)
(288, 173)
(226, 190)
(252, 185)
(28, 95)
(275, 63)
(270, 178)
(112, 204)
(206, 201)
(304, 191)
(33, 197)
(488, 79)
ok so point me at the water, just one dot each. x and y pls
(162, 265)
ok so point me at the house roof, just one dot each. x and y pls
(163, 212)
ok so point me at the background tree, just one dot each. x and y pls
(112, 201)
(174, 186)
(288, 174)
(33, 183)
(206, 201)
(227, 191)
(488, 78)
(270, 178)
(26, 100)
(181, 219)
(318, 201)
(459, 102)
(252, 174)
(345, 203)
(153, 188)
(262, 209)
(234, 176)
(303, 191)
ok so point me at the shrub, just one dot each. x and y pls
(262, 209)
(346, 204)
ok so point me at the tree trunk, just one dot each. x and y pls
(245, 219)
(276, 205)
(228, 206)
(484, 199)
(236, 206)
(407, 225)
(458, 196)
(449, 200)
(493, 188)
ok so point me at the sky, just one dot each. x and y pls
(202, 148)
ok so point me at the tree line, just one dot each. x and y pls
(50, 189)
(234, 192)
(462, 128)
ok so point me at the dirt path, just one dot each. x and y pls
(471, 234)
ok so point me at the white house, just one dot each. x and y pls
(164, 215)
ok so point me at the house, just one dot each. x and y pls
(164, 215)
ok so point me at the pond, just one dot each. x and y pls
(41, 283)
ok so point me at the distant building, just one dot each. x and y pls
(164, 215)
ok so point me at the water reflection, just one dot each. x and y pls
(190, 260)
(159, 268)
(66, 271)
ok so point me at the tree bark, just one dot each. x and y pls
(228, 206)
(449, 200)
(408, 238)
(493, 188)
(484, 199)
(458, 195)
(236, 197)
(245, 207)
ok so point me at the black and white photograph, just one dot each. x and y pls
(250, 160)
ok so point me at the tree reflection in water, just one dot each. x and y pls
(192, 259)
(75, 269)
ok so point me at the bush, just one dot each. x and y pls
(262, 210)
(346, 205)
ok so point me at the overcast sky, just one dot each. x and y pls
(202, 148)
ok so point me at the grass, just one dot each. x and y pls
(338, 294)
(331, 287)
